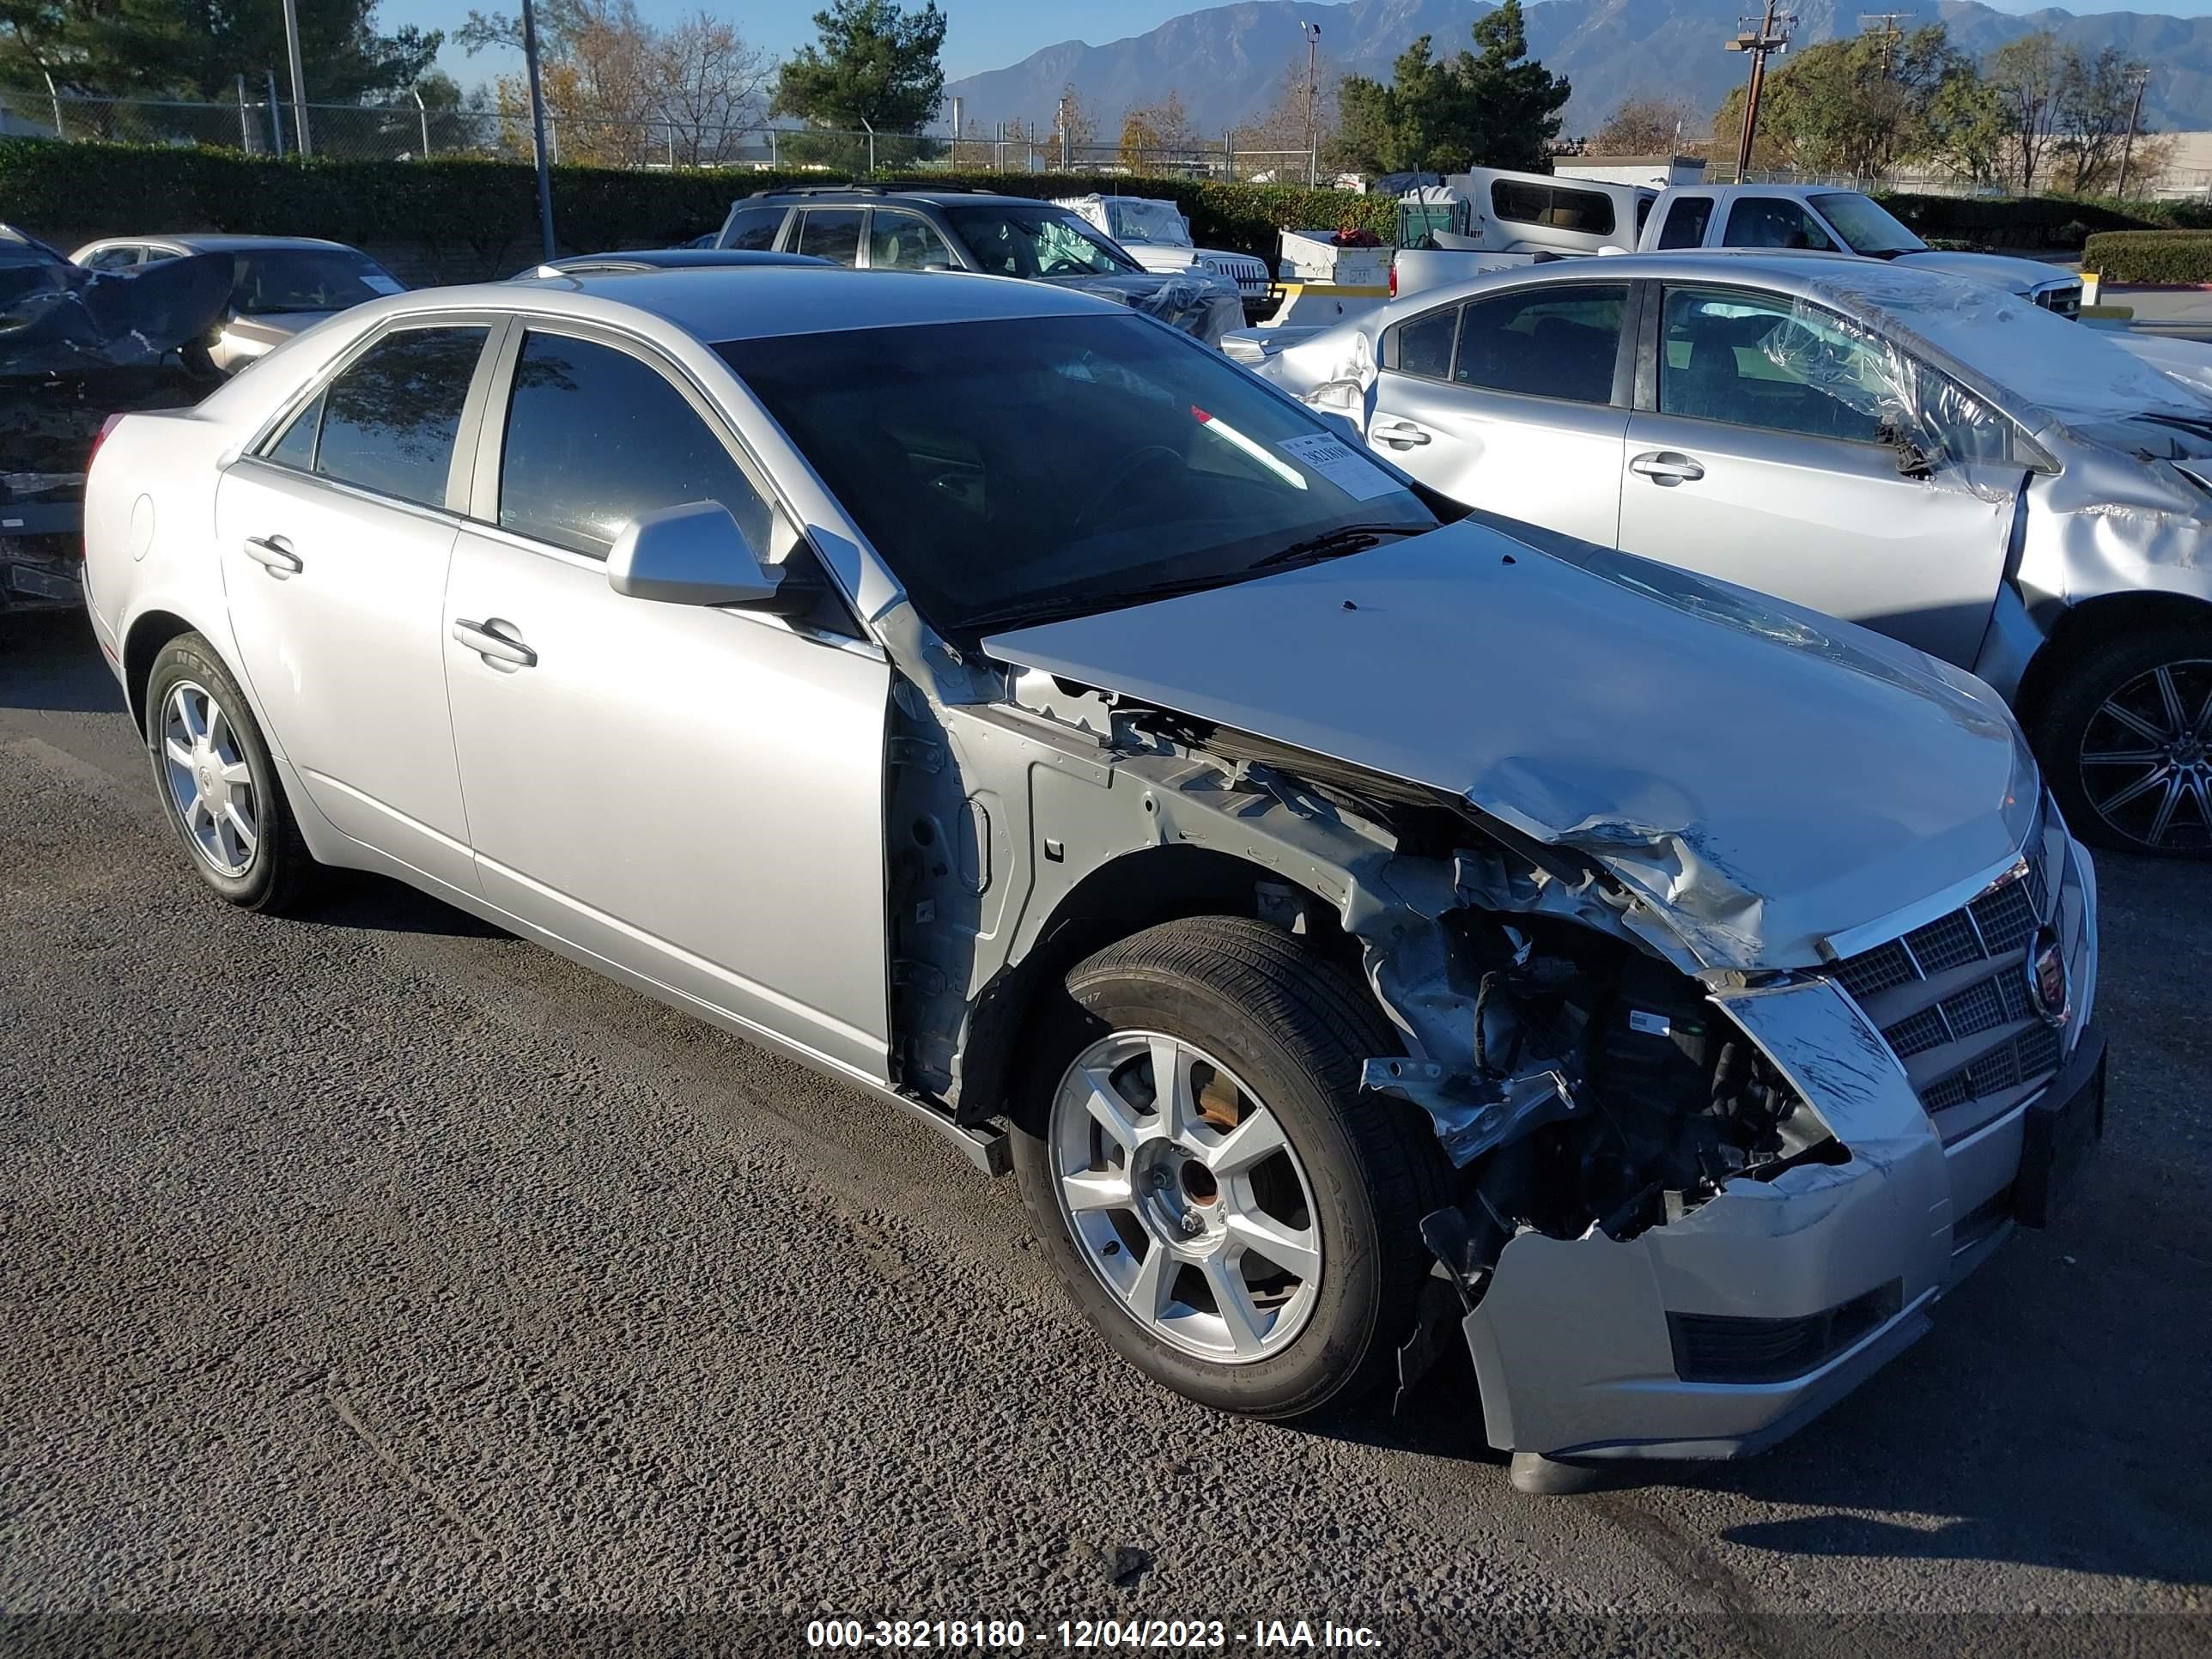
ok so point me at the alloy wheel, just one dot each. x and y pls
(209, 781)
(1185, 1197)
(2147, 757)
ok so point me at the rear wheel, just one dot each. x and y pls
(218, 787)
(2126, 742)
(1237, 1220)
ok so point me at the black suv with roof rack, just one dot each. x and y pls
(877, 228)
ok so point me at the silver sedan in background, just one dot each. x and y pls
(1930, 457)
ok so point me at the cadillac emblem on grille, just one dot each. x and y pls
(2049, 989)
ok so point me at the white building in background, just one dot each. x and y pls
(1656, 170)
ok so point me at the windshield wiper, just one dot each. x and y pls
(1335, 544)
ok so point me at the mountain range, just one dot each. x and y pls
(1228, 63)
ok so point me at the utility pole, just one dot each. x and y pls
(1888, 30)
(1771, 35)
(1066, 144)
(299, 79)
(1312, 33)
(537, 128)
(2138, 78)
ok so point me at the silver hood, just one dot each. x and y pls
(1763, 777)
(2023, 276)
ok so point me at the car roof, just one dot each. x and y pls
(717, 304)
(199, 244)
(672, 258)
(859, 195)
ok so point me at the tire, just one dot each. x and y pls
(1288, 1028)
(2124, 672)
(274, 872)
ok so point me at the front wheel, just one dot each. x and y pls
(2126, 742)
(1229, 1210)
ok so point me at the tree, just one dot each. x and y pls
(1158, 130)
(2028, 75)
(1495, 108)
(713, 86)
(1866, 104)
(1645, 127)
(875, 66)
(1073, 127)
(196, 48)
(2096, 96)
(1281, 129)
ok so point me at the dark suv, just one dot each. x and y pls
(879, 229)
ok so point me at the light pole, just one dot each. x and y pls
(1312, 32)
(2141, 78)
(537, 127)
(299, 79)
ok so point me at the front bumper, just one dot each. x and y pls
(1721, 1332)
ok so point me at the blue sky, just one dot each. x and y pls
(989, 34)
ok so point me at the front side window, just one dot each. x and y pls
(753, 228)
(1775, 222)
(832, 233)
(904, 241)
(1750, 360)
(595, 437)
(1524, 201)
(388, 424)
(1020, 242)
(1687, 218)
(1015, 470)
(1545, 341)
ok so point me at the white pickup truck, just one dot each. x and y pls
(1517, 217)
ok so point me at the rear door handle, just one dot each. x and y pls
(274, 554)
(496, 641)
(1401, 435)
(1665, 466)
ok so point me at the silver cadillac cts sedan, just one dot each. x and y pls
(1358, 920)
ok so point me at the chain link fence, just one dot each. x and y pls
(259, 122)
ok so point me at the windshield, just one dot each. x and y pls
(1134, 220)
(1040, 242)
(1865, 225)
(1023, 469)
(306, 279)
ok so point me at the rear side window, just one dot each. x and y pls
(831, 233)
(1686, 219)
(1523, 201)
(595, 437)
(753, 228)
(389, 422)
(1544, 342)
(1424, 344)
(296, 448)
(1775, 222)
(904, 241)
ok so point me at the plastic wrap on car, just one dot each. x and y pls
(1203, 305)
(59, 318)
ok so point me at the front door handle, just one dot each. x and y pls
(275, 554)
(1401, 435)
(496, 641)
(1668, 467)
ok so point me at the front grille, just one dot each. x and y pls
(1951, 996)
(1714, 1348)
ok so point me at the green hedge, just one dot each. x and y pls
(2149, 256)
(489, 208)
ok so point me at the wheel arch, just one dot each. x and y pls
(150, 630)
(2084, 627)
(1122, 898)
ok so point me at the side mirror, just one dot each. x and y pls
(694, 553)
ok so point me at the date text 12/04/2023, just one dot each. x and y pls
(1080, 1635)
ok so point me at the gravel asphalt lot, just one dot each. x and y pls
(387, 1273)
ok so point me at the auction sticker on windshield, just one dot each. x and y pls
(1341, 464)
